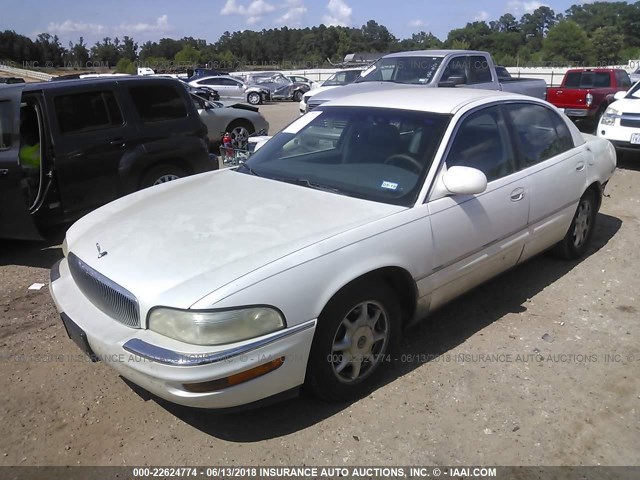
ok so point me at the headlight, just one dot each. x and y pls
(218, 327)
(610, 116)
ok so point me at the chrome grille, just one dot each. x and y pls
(108, 296)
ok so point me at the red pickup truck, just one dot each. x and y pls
(585, 93)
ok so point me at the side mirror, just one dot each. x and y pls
(464, 181)
(620, 95)
(452, 81)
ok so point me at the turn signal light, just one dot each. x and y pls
(236, 379)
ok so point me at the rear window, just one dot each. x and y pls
(157, 103)
(87, 111)
(588, 80)
(6, 111)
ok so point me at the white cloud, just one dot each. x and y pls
(481, 16)
(161, 25)
(339, 13)
(520, 7)
(416, 23)
(294, 14)
(254, 11)
(69, 26)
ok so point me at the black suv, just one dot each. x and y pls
(68, 147)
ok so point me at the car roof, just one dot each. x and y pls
(434, 53)
(420, 98)
(94, 81)
(218, 76)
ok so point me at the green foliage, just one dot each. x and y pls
(605, 32)
(568, 42)
(125, 65)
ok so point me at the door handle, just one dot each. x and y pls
(117, 142)
(517, 194)
(580, 166)
(4, 171)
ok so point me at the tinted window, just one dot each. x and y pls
(455, 68)
(6, 112)
(156, 103)
(479, 71)
(623, 79)
(86, 111)
(541, 133)
(212, 81)
(482, 142)
(588, 80)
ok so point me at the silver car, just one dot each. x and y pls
(238, 120)
(234, 88)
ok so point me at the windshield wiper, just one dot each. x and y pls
(305, 182)
(249, 170)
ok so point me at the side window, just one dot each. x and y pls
(479, 71)
(6, 112)
(211, 81)
(623, 79)
(539, 131)
(455, 68)
(156, 103)
(87, 111)
(482, 142)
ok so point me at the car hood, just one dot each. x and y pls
(627, 105)
(362, 87)
(175, 243)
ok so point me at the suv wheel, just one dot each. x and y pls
(161, 174)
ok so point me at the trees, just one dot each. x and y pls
(568, 42)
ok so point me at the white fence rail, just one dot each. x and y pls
(20, 72)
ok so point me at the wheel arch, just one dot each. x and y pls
(398, 279)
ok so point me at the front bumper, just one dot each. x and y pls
(163, 366)
(619, 136)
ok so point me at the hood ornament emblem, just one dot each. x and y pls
(100, 252)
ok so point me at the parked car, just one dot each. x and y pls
(433, 68)
(280, 87)
(70, 146)
(239, 120)
(234, 88)
(635, 76)
(586, 93)
(205, 72)
(620, 123)
(298, 79)
(344, 228)
(202, 91)
(338, 79)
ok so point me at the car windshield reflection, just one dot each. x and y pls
(370, 153)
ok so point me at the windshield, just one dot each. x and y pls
(412, 70)
(634, 91)
(342, 78)
(370, 153)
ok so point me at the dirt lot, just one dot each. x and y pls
(537, 367)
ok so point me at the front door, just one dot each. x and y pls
(15, 220)
(477, 236)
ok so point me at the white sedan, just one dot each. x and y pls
(303, 266)
(620, 123)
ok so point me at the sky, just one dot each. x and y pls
(208, 19)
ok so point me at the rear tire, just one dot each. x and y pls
(297, 96)
(161, 174)
(578, 237)
(356, 331)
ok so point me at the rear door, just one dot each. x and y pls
(15, 220)
(91, 138)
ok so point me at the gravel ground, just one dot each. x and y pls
(537, 367)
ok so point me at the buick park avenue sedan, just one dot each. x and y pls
(358, 218)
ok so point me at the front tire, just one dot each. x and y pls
(578, 237)
(254, 99)
(240, 131)
(355, 333)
